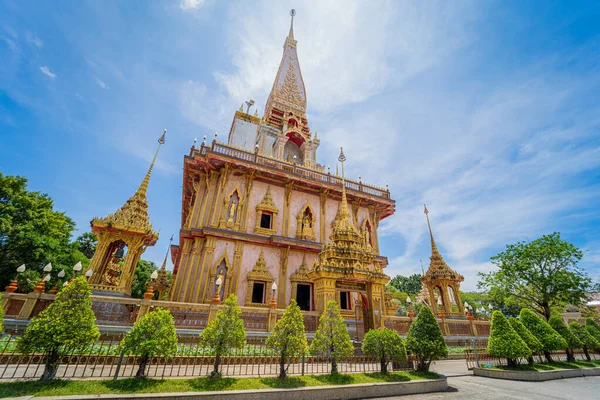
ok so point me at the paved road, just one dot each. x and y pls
(475, 387)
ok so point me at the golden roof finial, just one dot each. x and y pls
(344, 213)
(144, 186)
(434, 248)
(164, 264)
(133, 215)
(291, 34)
(422, 269)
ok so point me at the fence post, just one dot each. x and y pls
(144, 308)
(119, 365)
(303, 360)
(475, 352)
(29, 305)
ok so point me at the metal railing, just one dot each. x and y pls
(103, 360)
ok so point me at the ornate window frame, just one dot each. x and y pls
(259, 273)
(266, 206)
(299, 218)
(301, 277)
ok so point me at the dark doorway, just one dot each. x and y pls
(303, 296)
(258, 292)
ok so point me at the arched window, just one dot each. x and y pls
(290, 150)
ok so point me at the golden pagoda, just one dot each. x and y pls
(443, 279)
(122, 238)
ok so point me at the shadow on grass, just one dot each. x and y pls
(207, 384)
(391, 377)
(23, 388)
(335, 379)
(287, 383)
(131, 385)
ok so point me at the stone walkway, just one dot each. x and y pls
(474, 387)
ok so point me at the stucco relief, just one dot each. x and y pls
(250, 256)
(298, 203)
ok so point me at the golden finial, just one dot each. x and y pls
(422, 269)
(164, 264)
(291, 34)
(242, 108)
(256, 113)
(144, 186)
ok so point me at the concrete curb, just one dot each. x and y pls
(367, 390)
(536, 376)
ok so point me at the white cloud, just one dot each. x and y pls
(191, 4)
(46, 71)
(101, 83)
(12, 45)
(34, 39)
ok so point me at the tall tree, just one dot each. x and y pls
(410, 285)
(67, 323)
(288, 338)
(31, 231)
(540, 274)
(86, 244)
(332, 338)
(225, 332)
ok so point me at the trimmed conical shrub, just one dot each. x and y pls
(588, 341)
(425, 340)
(573, 342)
(548, 337)
(534, 345)
(504, 342)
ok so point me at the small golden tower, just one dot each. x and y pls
(122, 238)
(161, 284)
(441, 277)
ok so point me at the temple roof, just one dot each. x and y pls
(438, 269)
(288, 94)
(133, 215)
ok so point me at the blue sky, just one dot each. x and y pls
(486, 111)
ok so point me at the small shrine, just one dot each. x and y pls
(122, 238)
(441, 282)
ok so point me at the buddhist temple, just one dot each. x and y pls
(441, 282)
(263, 218)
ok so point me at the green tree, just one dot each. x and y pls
(332, 338)
(593, 328)
(67, 323)
(386, 345)
(425, 340)
(505, 342)
(288, 338)
(573, 342)
(588, 341)
(530, 340)
(141, 277)
(225, 332)
(540, 274)
(86, 244)
(153, 335)
(410, 285)
(1, 316)
(31, 231)
(548, 337)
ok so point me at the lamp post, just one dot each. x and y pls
(216, 299)
(273, 303)
(410, 312)
(88, 274)
(14, 285)
(60, 275)
(150, 292)
(440, 307)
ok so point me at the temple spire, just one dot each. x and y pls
(434, 249)
(164, 264)
(144, 186)
(344, 213)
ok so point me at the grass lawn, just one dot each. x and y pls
(552, 366)
(73, 387)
